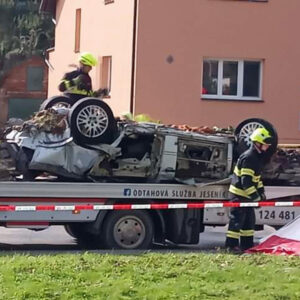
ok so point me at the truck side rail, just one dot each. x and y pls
(160, 206)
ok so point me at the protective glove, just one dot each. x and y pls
(263, 196)
(101, 93)
(256, 197)
(62, 87)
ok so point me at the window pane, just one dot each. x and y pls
(210, 77)
(77, 30)
(23, 108)
(35, 77)
(251, 78)
(106, 72)
(229, 83)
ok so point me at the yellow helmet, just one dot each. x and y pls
(262, 136)
(88, 59)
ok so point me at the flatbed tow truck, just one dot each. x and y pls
(132, 216)
(130, 185)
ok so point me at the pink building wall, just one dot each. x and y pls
(189, 31)
(194, 29)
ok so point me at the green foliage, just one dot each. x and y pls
(150, 276)
(23, 31)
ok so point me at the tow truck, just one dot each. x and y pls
(122, 184)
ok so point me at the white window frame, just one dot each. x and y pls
(240, 80)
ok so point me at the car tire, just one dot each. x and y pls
(128, 230)
(244, 130)
(92, 122)
(62, 101)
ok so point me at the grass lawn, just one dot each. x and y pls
(149, 276)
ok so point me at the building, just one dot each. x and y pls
(23, 89)
(196, 62)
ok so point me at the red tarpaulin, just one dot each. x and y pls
(285, 241)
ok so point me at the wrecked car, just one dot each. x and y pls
(85, 142)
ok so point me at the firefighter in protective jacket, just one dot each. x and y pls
(246, 185)
(78, 84)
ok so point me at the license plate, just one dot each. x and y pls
(276, 215)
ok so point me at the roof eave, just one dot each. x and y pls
(48, 6)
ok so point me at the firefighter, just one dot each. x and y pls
(246, 185)
(78, 84)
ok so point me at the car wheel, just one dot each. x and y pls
(92, 122)
(244, 130)
(59, 101)
(128, 230)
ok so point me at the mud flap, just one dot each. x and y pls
(183, 226)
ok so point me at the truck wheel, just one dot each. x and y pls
(128, 230)
(84, 239)
(60, 101)
(92, 122)
(244, 130)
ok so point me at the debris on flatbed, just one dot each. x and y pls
(199, 129)
(47, 121)
(204, 129)
(284, 167)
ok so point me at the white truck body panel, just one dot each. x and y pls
(71, 194)
(112, 190)
(130, 190)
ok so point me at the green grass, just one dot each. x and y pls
(149, 276)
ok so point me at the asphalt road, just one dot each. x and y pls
(55, 240)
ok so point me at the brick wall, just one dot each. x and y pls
(14, 85)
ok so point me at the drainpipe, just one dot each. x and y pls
(132, 92)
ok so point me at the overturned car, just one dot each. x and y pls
(85, 142)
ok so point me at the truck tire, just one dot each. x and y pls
(244, 130)
(84, 238)
(128, 230)
(92, 122)
(61, 101)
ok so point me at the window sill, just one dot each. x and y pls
(228, 98)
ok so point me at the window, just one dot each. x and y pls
(106, 66)
(77, 30)
(23, 108)
(231, 79)
(35, 77)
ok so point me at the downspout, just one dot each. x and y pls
(134, 35)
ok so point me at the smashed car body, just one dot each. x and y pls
(146, 151)
(86, 143)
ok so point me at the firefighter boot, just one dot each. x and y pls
(232, 242)
(247, 242)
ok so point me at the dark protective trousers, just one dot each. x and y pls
(75, 97)
(241, 228)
